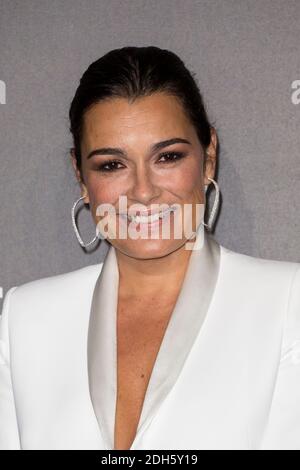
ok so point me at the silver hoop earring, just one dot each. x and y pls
(81, 242)
(215, 207)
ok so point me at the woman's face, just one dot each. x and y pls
(171, 173)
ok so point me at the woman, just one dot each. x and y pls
(173, 342)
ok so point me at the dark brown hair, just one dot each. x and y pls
(132, 72)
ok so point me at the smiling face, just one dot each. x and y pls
(130, 164)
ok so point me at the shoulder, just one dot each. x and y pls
(51, 290)
(50, 302)
(273, 281)
(265, 269)
(62, 280)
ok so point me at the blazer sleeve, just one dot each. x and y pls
(283, 428)
(9, 434)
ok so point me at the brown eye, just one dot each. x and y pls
(109, 166)
(171, 157)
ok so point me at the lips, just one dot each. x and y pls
(148, 217)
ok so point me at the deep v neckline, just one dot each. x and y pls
(137, 348)
(183, 327)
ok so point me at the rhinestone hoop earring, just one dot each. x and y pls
(81, 242)
(215, 207)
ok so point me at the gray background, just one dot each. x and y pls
(246, 56)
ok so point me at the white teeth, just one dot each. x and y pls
(144, 219)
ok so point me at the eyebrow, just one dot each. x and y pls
(154, 148)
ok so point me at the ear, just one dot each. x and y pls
(211, 157)
(78, 176)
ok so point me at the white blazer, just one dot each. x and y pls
(227, 375)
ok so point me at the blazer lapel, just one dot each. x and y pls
(185, 323)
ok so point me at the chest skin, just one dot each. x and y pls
(141, 326)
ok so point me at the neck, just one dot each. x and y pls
(149, 277)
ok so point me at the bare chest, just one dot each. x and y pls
(139, 337)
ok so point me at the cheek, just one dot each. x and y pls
(102, 191)
(185, 181)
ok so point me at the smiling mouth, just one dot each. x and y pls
(152, 218)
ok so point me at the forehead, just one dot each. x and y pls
(147, 119)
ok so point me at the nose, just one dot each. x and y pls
(144, 189)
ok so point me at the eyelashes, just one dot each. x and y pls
(179, 155)
(111, 165)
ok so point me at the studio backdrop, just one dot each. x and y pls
(245, 54)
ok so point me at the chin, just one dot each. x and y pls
(146, 248)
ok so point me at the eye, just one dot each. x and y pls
(109, 166)
(171, 156)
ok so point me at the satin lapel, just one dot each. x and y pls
(184, 326)
(102, 347)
